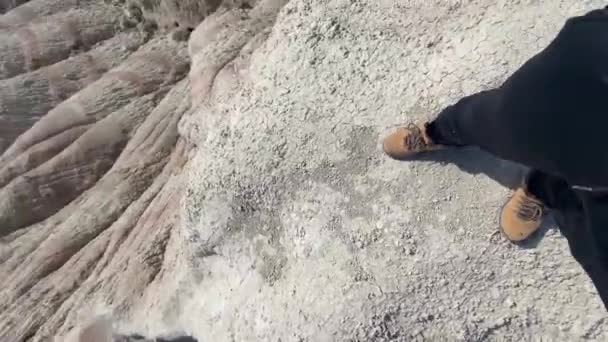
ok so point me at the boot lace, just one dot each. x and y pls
(415, 140)
(530, 210)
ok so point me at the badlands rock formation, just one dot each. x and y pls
(212, 169)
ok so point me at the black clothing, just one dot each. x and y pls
(552, 116)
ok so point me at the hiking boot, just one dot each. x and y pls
(408, 141)
(521, 216)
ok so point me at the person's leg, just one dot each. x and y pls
(469, 122)
(579, 222)
(548, 111)
(584, 226)
(553, 191)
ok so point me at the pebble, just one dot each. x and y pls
(500, 322)
(425, 317)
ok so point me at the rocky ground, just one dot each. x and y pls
(213, 169)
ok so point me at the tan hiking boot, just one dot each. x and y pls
(521, 216)
(408, 141)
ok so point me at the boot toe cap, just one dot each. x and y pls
(394, 144)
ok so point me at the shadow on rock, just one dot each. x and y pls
(475, 161)
(506, 173)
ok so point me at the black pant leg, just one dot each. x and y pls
(550, 114)
(587, 234)
(553, 191)
(467, 122)
(572, 216)
(580, 219)
(572, 225)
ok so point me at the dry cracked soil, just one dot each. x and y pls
(173, 170)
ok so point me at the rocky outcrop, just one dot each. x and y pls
(213, 169)
(91, 182)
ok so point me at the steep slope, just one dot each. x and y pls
(213, 169)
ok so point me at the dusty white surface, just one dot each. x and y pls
(317, 236)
